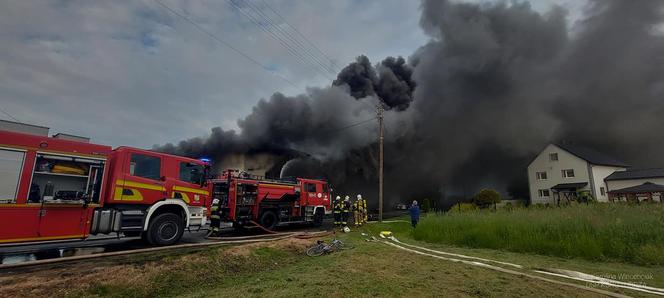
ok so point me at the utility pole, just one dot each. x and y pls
(380, 164)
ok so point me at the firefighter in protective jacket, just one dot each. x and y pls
(362, 210)
(358, 214)
(345, 212)
(215, 218)
(365, 211)
(337, 207)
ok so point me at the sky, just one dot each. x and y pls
(133, 73)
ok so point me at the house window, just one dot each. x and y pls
(553, 156)
(569, 173)
(540, 175)
(145, 166)
(602, 191)
(544, 193)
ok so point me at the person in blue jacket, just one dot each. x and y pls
(414, 214)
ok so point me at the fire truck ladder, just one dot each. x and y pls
(309, 213)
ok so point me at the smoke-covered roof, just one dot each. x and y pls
(592, 156)
(636, 174)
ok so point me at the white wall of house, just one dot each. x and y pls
(553, 169)
(618, 184)
(598, 175)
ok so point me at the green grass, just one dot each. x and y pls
(598, 232)
(371, 269)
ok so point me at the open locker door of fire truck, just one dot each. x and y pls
(18, 217)
(70, 187)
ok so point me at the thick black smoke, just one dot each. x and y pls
(390, 81)
(360, 76)
(495, 84)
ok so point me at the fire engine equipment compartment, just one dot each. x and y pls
(66, 179)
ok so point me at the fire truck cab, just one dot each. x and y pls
(57, 189)
(240, 198)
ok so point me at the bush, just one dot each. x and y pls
(628, 233)
(486, 197)
(462, 207)
(426, 205)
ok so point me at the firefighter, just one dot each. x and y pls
(215, 218)
(365, 214)
(357, 211)
(362, 206)
(345, 211)
(337, 211)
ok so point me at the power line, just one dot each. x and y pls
(332, 64)
(333, 131)
(10, 116)
(269, 31)
(227, 44)
(306, 51)
(310, 54)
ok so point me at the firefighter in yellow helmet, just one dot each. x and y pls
(337, 208)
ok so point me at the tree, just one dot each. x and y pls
(486, 197)
(426, 205)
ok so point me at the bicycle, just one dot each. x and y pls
(323, 248)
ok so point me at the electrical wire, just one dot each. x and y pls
(316, 59)
(274, 34)
(332, 63)
(333, 131)
(227, 44)
(10, 116)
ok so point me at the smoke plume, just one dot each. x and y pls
(495, 83)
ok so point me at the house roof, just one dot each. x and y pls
(569, 185)
(636, 174)
(591, 155)
(643, 188)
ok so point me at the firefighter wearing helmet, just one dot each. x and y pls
(337, 207)
(362, 205)
(366, 210)
(215, 218)
(358, 211)
(345, 211)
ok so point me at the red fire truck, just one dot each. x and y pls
(55, 189)
(240, 198)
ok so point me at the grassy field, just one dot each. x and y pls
(597, 232)
(283, 270)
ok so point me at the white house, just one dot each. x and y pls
(561, 170)
(636, 184)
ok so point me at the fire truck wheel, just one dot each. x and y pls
(165, 229)
(269, 220)
(318, 217)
